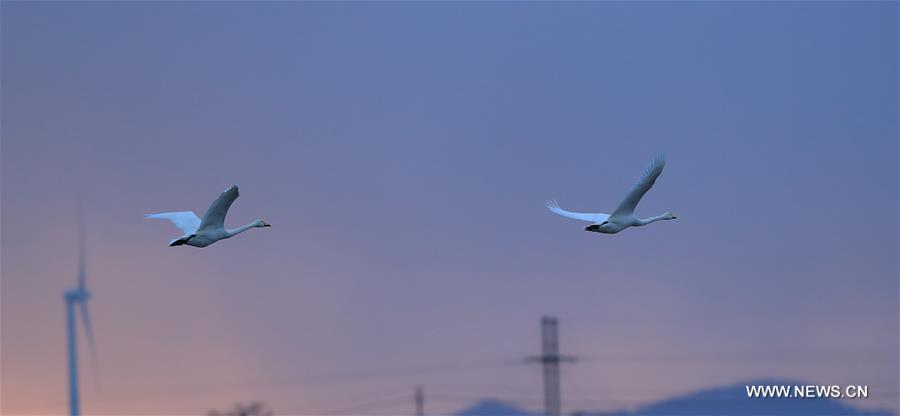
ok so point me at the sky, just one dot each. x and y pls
(403, 153)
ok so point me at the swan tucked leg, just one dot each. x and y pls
(645, 221)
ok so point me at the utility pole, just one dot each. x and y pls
(550, 359)
(420, 401)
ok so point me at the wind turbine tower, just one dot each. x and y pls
(76, 301)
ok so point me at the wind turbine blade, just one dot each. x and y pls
(89, 331)
(82, 257)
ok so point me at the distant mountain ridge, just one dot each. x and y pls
(730, 400)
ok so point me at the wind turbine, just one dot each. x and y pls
(78, 298)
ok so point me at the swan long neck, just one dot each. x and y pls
(648, 220)
(235, 231)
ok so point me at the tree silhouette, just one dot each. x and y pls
(252, 409)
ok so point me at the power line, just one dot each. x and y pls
(345, 377)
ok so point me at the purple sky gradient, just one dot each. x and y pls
(403, 153)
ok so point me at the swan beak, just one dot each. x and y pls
(592, 227)
(267, 225)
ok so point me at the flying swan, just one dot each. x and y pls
(199, 233)
(623, 217)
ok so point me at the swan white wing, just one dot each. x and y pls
(648, 178)
(597, 218)
(186, 221)
(215, 215)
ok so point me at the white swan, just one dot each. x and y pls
(199, 233)
(623, 217)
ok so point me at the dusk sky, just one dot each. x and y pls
(403, 153)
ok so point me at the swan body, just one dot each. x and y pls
(623, 216)
(201, 233)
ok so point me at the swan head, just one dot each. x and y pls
(261, 223)
(670, 216)
(601, 227)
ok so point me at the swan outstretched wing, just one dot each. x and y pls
(648, 178)
(186, 221)
(552, 205)
(215, 215)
